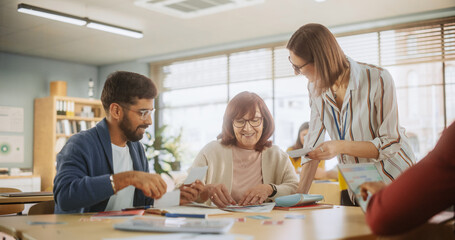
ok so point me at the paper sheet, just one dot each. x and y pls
(169, 199)
(196, 173)
(261, 208)
(188, 236)
(194, 210)
(11, 119)
(299, 152)
(11, 149)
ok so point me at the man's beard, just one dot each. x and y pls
(131, 135)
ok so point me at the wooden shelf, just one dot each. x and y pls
(77, 118)
(45, 132)
(63, 135)
(13, 177)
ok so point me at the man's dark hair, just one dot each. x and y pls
(125, 88)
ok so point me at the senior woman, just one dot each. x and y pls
(243, 166)
(355, 103)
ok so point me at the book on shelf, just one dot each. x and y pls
(58, 127)
(66, 127)
(59, 144)
(73, 127)
(82, 126)
(89, 124)
(305, 207)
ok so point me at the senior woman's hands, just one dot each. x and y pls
(256, 195)
(218, 194)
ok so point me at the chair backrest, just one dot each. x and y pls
(10, 208)
(330, 191)
(42, 208)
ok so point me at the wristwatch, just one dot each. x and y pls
(274, 190)
(111, 177)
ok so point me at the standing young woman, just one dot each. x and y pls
(354, 102)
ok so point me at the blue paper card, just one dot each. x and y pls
(258, 217)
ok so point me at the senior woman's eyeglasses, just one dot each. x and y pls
(240, 123)
(297, 68)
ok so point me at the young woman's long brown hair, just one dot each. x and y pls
(315, 43)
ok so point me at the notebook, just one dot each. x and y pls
(154, 224)
(297, 199)
(355, 175)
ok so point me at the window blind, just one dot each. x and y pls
(250, 65)
(397, 45)
(417, 44)
(195, 73)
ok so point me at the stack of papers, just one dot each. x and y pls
(261, 208)
(154, 224)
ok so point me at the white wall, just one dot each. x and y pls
(24, 78)
(137, 67)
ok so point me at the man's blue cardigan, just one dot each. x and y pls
(83, 168)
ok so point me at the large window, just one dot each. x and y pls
(420, 58)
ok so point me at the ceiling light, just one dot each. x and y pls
(114, 29)
(41, 12)
(63, 17)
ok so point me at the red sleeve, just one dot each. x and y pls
(419, 193)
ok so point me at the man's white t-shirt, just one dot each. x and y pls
(122, 162)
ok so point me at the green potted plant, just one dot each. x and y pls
(163, 149)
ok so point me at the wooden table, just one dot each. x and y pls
(29, 199)
(336, 223)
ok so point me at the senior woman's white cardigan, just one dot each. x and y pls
(276, 167)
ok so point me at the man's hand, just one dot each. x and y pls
(152, 185)
(256, 195)
(189, 193)
(372, 187)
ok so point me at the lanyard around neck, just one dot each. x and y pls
(340, 134)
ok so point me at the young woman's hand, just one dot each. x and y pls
(326, 150)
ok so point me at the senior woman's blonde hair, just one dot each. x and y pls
(315, 43)
(242, 104)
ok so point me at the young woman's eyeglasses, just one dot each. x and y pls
(145, 114)
(297, 68)
(240, 123)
